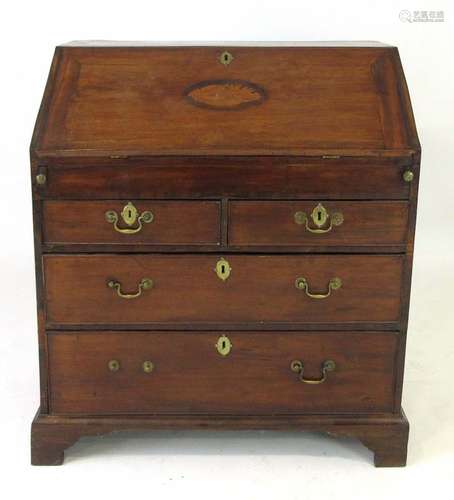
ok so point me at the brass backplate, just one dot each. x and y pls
(223, 269)
(223, 345)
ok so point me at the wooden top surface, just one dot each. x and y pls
(224, 44)
(104, 100)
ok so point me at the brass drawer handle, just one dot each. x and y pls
(130, 216)
(297, 366)
(320, 217)
(145, 284)
(334, 284)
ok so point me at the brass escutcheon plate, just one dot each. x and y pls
(319, 215)
(223, 345)
(225, 58)
(129, 214)
(222, 269)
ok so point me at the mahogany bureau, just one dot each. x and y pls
(224, 240)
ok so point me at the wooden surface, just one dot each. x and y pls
(195, 178)
(133, 100)
(273, 223)
(190, 376)
(385, 435)
(174, 223)
(187, 289)
(242, 43)
(223, 155)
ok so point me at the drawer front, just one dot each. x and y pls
(196, 178)
(103, 373)
(132, 222)
(314, 223)
(187, 289)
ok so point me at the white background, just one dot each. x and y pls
(221, 465)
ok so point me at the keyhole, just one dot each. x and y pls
(222, 269)
(129, 213)
(225, 58)
(223, 345)
(319, 215)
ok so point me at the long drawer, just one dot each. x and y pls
(127, 372)
(130, 289)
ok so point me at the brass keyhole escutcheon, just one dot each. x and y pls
(222, 269)
(319, 215)
(322, 221)
(129, 214)
(223, 345)
(131, 217)
(226, 58)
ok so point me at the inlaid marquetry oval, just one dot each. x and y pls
(227, 95)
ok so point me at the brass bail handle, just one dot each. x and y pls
(320, 218)
(145, 284)
(302, 284)
(130, 216)
(297, 366)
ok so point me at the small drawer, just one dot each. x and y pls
(262, 373)
(200, 289)
(317, 223)
(122, 222)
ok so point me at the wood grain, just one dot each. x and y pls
(333, 124)
(226, 178)
(190, 376)
(174, 223)
(273, 223)
(385, 435)
(186, 289)
(322, 99)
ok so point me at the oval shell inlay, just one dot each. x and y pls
(225, 94)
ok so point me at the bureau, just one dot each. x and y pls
(224, 240)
